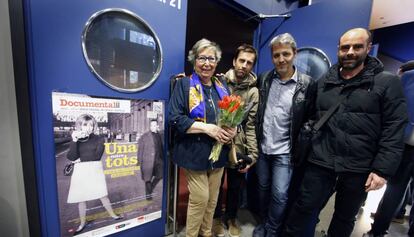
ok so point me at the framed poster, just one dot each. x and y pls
(109, 162)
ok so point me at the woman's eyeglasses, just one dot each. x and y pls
(204, 59)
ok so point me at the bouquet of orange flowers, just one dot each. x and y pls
(231, 114)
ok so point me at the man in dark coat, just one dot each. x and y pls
(285, 99)
(150, 150)
(360, 146)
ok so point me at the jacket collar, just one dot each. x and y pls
(249, 81)
(372, 66)
(294, 77)
(298, 77)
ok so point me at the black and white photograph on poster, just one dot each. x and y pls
(109, 162)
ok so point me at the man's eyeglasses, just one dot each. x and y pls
(204, 59)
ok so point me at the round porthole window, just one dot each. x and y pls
(122, 50)
(312, 61)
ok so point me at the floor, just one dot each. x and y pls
(364, 220)
(247, 221)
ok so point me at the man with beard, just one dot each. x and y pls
(285, 99)
(242, 82)
(361, 144)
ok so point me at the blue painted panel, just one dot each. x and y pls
(374, 50)
(56, 63)
(396, 41)
(318, 25)
(407, 80)
(270, 6)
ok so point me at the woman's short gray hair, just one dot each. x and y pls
(285, 38)
(202, 45)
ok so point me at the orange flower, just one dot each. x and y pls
(231, 115)
(225, 102)
(230, 103)
(235, 106)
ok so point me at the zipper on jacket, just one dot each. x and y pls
(298, 88)
(263, 94)
(210, 99)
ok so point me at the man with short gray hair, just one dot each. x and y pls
(284, 102)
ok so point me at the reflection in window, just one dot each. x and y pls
(312, 61)
(140, 38)
(122, 50)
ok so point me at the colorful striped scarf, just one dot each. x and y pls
(196, 96)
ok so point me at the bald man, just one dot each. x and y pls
(361, 144)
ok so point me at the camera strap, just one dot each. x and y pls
(329, 113)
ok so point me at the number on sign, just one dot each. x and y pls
(173, 3)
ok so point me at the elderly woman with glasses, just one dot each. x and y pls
(193, 113)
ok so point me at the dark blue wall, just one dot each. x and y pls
(396, 41)
(318, 25)
(56, 63)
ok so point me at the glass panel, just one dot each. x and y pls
(312, 61)
(122, 50)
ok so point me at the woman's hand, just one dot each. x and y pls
(213, 131)
(227, 134)
(76, 135)
(223, 135)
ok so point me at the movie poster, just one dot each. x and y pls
(109, 162)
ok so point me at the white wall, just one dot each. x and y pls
(13, 215)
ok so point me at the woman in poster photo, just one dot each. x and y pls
(88, 179)
(193, 112)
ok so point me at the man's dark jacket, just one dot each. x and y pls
(365, 134)
(150, 155)
(303, 100)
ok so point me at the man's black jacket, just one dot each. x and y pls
(365, 134)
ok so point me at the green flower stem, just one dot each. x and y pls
(215, 152)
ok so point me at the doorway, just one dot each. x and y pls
(224, 23)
